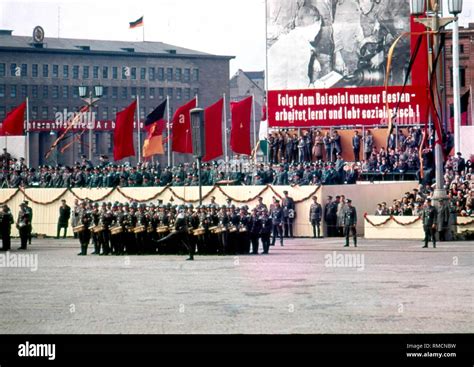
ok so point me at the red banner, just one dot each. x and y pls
(346, 106)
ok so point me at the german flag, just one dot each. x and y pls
(137, 23)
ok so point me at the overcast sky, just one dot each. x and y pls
(223, 27)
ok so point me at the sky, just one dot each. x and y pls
(222, 27)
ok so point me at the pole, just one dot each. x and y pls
(456, 88)
(27, 143)
(138, 129)
(143, 28)
(90, 126)
(199, 178)
(254, 122)
(169, 129)
(225, 131)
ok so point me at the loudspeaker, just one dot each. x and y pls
(198, 133)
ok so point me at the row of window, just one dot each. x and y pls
(55, 92)
(102, 113)
(102, 72)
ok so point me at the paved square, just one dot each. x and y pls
(393, 287)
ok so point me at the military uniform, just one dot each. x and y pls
(85, 218)
(289, 215)
(350, 222)
(276, 215)
(429, 216)
(63, 221)
(254, 227)
(6, 221)
(315, 214)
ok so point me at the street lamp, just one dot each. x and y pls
(91, 98)
(434, 22)
(455, 7)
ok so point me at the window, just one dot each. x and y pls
(66, 71)
(179, 93)
(187, 75)
(45, 91)
(169, 74)
(55, 92)
(161, 93)
(24, 70)
(125, 72)
(178, 74)
(85, 72)
(105, 72)
(2, 90)
(462, 77)
(75, 91)
(134, 73)
(95, 72)
(24, 91)
(187, 94)
(170, 93)
(152, 93)
(142, 112)
(124, 93)
(55, 111)
(65, 91)
(142, 92)
(114, 111)
(105, 113)
(2, 112)
(195, 75)
(13, 91)
(133, 92)
(151, 74)
(143, 73)
(114, 72)
(2, 69)
(96, 143)
(34, 70)
(44, 112)
(161, 74)
(55, 71)
(34, 112)
(461, 48)
(114, 92)
(109, 141)
(105, 92)
(13, 70)
(75, 72)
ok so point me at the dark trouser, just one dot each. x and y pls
(223, 243)
(347, 231)
(254, 239)
(24, 233)
(328, 154)
(356, 154)
(96, 241)
(266, 242)
(367, 155)
(6, 241)
(117, 243)
(430, 235)
(30, 231)
(277, 231)
(316, 228)
(61, 226)
(331, 227)
(243, 244)
(84, 239)
(288, 226)
(105, 241)
(180, 238)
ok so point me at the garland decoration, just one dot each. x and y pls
(10, 198)
(391, 217)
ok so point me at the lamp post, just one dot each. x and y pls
(91, 98)
(455, 7)
(433, 22)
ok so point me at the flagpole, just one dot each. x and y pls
(169, 129)
(225, 129)
(27, 143)
(254, 122)
(143, 28)
(138, 129)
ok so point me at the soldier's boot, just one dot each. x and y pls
(426, 245)
(434, 244)
(355, 241)
(84, 250)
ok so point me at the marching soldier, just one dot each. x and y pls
(106, 220)
(254, 228)
(350, 222)
(315, 213)
(276, 215)
(429, 216)
(23, 224)
(85, 219)
(289, 214)
(6, 221)
(63, 221)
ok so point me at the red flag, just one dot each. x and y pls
(14, 122)
(123, 134)
(182, 138)
(213, 130)
(154, 142)
(240, 133)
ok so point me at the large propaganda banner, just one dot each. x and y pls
(327, 63)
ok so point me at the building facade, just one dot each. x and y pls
(50, 71)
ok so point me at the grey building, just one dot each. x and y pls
(49, 71)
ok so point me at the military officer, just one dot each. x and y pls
(350, 222)
(254, 225)
(289, 214)
(429, 216)
(315, 214)
(6, 221)
(276, 215)
(265, 231)
(85, 218)
(23, 224)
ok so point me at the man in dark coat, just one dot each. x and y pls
(289, 214)
(350, 222)
(64, 216)
(429, 217)
(315, 214)
(6, 221)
